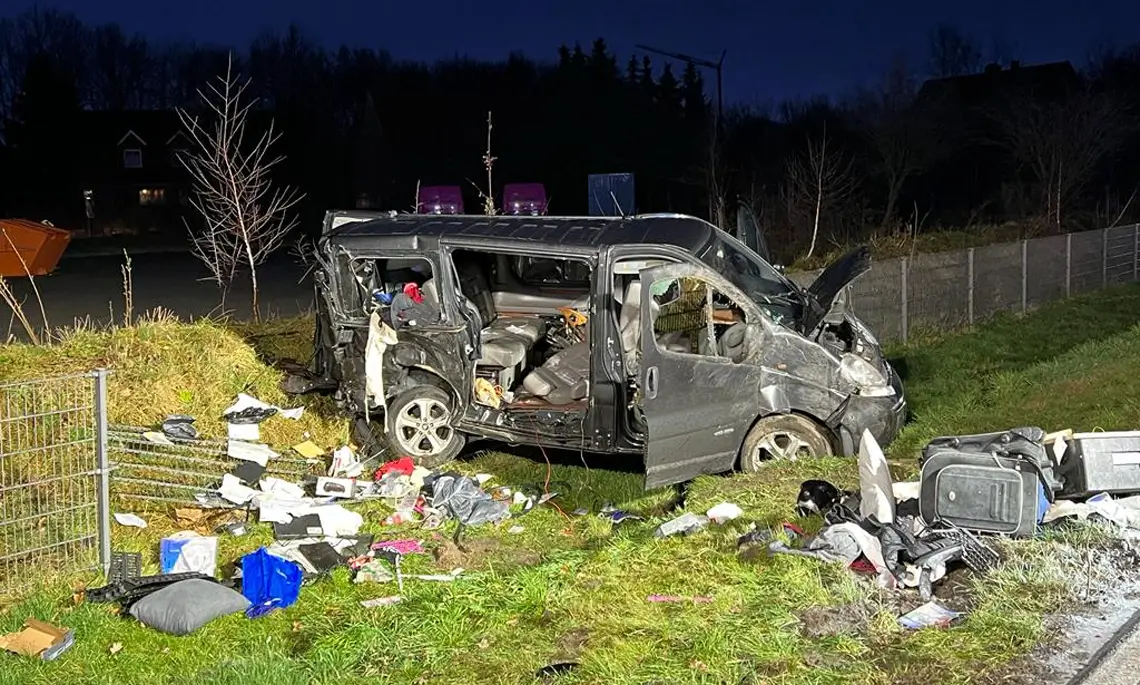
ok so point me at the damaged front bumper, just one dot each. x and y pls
(884, 417)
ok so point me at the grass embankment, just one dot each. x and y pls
(575, 588)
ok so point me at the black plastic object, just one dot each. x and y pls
(135, 588)
(977, 555)
(250, 415)
(307, 526)
(180, 427)
(249, 472)
(322, 556)
(984, 493)
(124, 566)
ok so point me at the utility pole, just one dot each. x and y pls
(716, 192)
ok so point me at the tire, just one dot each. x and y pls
(786, 437)
(410, 436)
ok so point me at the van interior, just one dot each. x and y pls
(533, 314)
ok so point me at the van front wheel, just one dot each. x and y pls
(787, 437)
(420, 426)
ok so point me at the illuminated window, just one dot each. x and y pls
(132, 159)
(152, 196)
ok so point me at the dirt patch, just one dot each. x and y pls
(846, 619)
(571, 644)
(477, 553)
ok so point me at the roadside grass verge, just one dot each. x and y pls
(575, 588)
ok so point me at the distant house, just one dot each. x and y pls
(1047, 81)
(131, 179)
(975, 165)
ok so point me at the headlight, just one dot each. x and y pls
(859, 372)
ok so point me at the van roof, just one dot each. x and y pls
(586, 233)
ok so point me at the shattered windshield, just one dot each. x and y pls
(747, 271)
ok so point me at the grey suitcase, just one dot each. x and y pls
(983, 493)
(1101, 462)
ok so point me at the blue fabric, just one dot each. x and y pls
(168, 552)
(269, 581)
(1042, 502)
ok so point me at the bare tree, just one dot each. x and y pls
(1062, 142)
(952, 53)
(245, 217)
(903, 140)
(489, 165)
(817, 181)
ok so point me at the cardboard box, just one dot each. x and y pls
(38, 639)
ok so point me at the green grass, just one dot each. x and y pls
(575, 588)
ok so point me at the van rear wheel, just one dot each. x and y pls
(420, 426)
(787, 437)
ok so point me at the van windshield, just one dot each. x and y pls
(747, 271)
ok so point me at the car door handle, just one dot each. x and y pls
(651, 382)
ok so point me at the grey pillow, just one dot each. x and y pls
(187, 605)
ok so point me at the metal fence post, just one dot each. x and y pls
(1068, 264)
(903, 267)
(1135, 251)
(970, 286)
(1024, 276)
(103, 469)
(1104, 259)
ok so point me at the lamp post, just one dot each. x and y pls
(716, 203)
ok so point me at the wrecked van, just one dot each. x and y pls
(658, 335)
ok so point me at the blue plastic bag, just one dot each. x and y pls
(269, 582)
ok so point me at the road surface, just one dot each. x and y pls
(92, 288)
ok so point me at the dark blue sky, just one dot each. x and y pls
(775, 49)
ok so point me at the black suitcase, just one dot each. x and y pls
(988, 483)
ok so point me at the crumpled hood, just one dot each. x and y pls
(826, 288)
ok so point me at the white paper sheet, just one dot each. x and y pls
(130, 520)
(243, 431)
(233, 490)
(250, 451)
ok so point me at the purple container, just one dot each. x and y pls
(440, 200)
(524, 199)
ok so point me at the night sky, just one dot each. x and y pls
(776, 50)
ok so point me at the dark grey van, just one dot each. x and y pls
(658, 335)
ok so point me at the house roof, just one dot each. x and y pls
(1052, 79)
(131, 128)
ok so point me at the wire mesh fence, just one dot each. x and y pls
(54, 517)
(953, 289)
(153, 471)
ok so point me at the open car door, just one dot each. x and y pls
(697, 406)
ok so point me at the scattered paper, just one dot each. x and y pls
(515, 530)
(235, 491)
(116, 648)
(309, 450)
(928, 615)
(157, 438)
(284, 488)
(130, 520)
(344, 463)
(379, 602)
(482, 478)
(250, 432)
(250, 451)
(724, 512)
